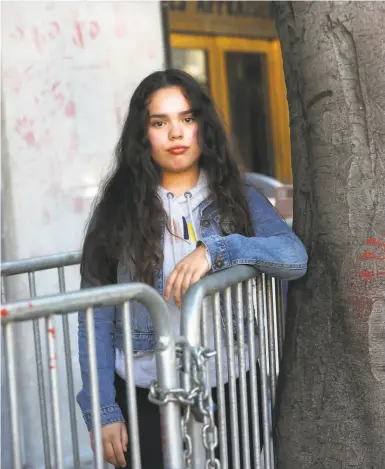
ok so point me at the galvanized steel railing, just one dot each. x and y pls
(256, 295)
(46, 307)
(260, 298)
(30, 267)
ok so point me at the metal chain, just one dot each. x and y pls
(197, 400)
(186, 437)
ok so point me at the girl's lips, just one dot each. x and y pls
(177, 150)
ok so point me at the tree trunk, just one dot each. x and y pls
(330, 409)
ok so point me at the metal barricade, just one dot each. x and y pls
(258, 303)
(30, 267)
(63, 304)
(258, 307)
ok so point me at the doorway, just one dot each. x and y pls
(245, 79)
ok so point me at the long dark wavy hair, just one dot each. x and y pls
(126, 218)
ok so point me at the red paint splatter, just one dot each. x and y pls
(118, 114)
(78, 38)
(78, 204)
(24, 127)
(52, 367)
(94, 31)
(55, 31)
(52, 332)
(20, 31)
(29, 137)
(59, 97)
(28, 69)
(4, 313)
(30, 305)
(374, 242)
(381, 273)
(70, 109)
(36, 39)
(55, 85)
(367, 274)
(370, 255)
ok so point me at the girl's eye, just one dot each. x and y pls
(157, 124)
(189, 120)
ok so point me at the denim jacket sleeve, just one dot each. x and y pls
(274, 250)
(104, 318)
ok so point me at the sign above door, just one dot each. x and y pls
(228, 18)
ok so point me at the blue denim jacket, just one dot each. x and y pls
(274, 250)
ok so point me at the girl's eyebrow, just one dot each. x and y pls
(164, 116)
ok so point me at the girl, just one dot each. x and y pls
(174, 208)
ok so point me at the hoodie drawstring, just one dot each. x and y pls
(188, 197)
(170, 197)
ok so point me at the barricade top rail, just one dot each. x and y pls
(22, 266)
(38, 307)
(213, 283)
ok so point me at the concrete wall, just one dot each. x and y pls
(69, 70)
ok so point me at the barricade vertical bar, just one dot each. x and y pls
(70, 381)
(170, 416)
(221, 408)
(279, 316)
(204, 338)
(40, 377)
(2, 290)
(194, 427)
(232, 386)
(275, 327)
(253, 376)
(266, 327)
(130, 387)
(205, 341)
(51, 350)
(94, 386)
(242, 377)
(13, 396)
(263, 360)
(270, 331)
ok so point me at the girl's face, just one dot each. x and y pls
(172, 131)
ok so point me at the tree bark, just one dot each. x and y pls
(330, 406)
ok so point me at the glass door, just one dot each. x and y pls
(196, 56)
(245, 78)
(253, 97)
(248, 109)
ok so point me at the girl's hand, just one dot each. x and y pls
(114, 440)
(191, 269)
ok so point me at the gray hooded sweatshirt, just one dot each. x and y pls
(181, 236)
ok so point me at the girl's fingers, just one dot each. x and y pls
(187, 282)
(196, 277)
(118, 450)
(109, 453)
(179, 281)
(169, 284)
(124, 437)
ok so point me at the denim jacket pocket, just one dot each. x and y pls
(140, 319)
